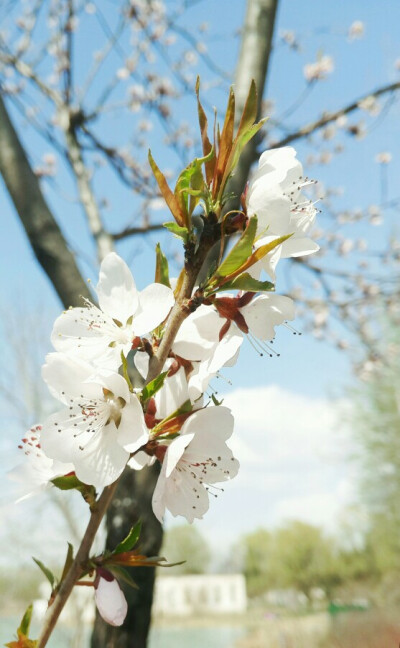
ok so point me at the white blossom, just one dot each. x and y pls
(193, 462)
(318, 70)
(356, 30)
(275, 196)
(385, 157)
(233, 318)
(370, 105)
(100, 425)
(37, 470)
(100, 334)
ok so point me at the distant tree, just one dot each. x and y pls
(304, 558)
(186, 543)
(257, 568)
(375, 421)
(296, 555)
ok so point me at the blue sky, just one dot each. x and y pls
(307, 368)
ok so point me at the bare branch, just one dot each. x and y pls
(68, 29)
(26, 71)
(76, 568)
(102, 238)
(327, 118)
(132, 231)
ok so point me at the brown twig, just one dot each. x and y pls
(76, 568)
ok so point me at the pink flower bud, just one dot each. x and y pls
(110, 600)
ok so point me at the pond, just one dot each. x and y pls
(216, 637)
(173, 637)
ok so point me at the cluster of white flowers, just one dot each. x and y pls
(318, 70)
(105, 423)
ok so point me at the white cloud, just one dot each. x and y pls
(294, 452)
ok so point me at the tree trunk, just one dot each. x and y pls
(44, 234)
(255, 49)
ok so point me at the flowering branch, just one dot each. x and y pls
(76, 568)
(178, 341)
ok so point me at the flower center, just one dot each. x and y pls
(115, 405)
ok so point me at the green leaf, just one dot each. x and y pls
(169, 197)
(68, 561)
(263, 250)
(46, 571)
(246, 282)
(190, 186)
(215, 400)
(180, 232)
(125, 371)
(26, 621)
(162, 270)
(183, 409)
(249, 114)
(241, 142)
(71, 482)
(131, 539)
(23, 640)
(246, 131)
(67, 482)
(240, 252)
(122, 574)
(257, 255)
(154, 386)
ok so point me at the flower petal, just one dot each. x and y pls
(116, 289)
(172, 395)
(111, 602)
(58, 437)
(132, 430)
(295, 247)
(176, 450)
(155, 302)
(66, 377)
(102, 459)
(219, 419)
(198, 334)
(265, 312)
(140, 460)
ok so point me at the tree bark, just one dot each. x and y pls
(253, 63)
(44, 234)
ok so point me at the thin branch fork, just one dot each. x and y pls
(27, 72)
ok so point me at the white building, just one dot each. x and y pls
(203, 594)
